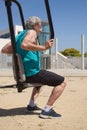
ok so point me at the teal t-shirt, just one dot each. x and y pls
(31, 59)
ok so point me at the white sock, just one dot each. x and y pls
(31, 103)
(47, 108)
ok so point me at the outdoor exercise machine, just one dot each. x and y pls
(18, 68)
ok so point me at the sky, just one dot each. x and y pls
(69, 19)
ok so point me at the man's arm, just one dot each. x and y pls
(30, 42)
(7, 49)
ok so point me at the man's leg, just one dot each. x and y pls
(32, 106)
(47, 112)
(35, 93)
(56, 93)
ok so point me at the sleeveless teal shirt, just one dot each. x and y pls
(31, 59)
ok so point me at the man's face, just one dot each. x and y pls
(38, 27)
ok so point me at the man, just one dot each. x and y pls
(29, 49)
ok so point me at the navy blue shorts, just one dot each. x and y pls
(46, 78)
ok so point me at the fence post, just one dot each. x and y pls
(56, 50)
(82, 51)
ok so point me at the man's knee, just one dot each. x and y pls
(64, 83)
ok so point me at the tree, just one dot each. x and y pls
(85, 54)
(71, 52)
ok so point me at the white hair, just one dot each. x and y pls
(32, 21)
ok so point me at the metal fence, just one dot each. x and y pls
(48, 62)
(61, 62)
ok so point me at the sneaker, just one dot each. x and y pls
(50, 114)
(30, 108)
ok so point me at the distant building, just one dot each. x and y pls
(5, 35)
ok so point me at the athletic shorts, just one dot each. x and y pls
(45, 77)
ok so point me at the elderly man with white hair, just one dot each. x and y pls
(29, 49)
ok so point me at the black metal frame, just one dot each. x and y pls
(49, 19)
(8, 4)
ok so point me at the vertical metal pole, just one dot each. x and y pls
(49, 18)
(82, 51)
(56, 47)
(11, 28)
(56, 55)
